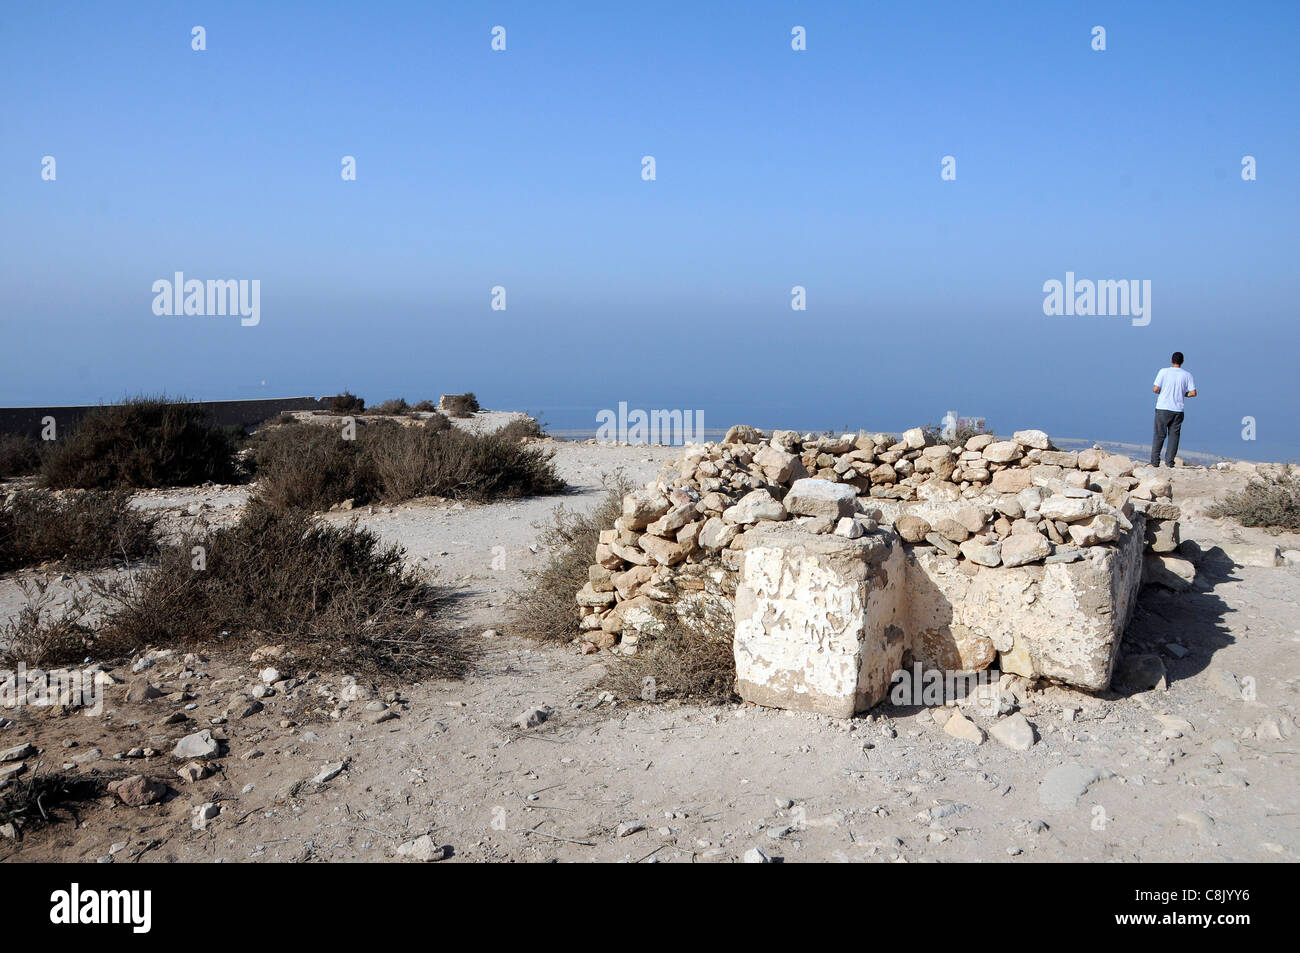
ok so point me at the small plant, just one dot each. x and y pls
(1271, 502)
(424, 406)
(34, 800)
(142, 443)
(80, 530)
(314, 468)
(934, 434)
(310, 467)
(690, 655)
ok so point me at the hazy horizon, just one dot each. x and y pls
(775, 168)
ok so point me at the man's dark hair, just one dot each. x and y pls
(1177, 358)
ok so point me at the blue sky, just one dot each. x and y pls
(775, 168)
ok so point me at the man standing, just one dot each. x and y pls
(1172, 384)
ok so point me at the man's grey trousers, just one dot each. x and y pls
(1169, 423)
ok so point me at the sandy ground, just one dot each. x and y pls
(1192, 773)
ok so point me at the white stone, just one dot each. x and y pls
(1014, 732)
(814, 497)
(753, 507)
(818, 620)
(1034, 439)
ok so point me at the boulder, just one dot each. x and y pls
(1069, 509)
(1162, 536)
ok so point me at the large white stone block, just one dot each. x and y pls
(818, 620)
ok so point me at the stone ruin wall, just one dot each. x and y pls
(846, 558)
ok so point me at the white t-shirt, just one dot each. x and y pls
(1174, 383)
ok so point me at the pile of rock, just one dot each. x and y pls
(987, 504)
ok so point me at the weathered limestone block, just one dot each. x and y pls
(1162, 536)
(818, 620)
(1061, 621)
(809, 497)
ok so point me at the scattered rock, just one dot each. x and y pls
(137, 790)
(959, 726)
(201, 744)
(422, 849)
(1014, 731)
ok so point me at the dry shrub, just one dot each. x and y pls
(140, 443)
(459, 405)
(1271, 502)
(81, 530)
(19, 456)
(310, 467)
(464, 466)
(424, 406)
(314, 467)
(964, 432)
(393, 408)
(544, 609)
(347, 403)
(522, 428)
(333, 594)
(691, 656)
(41, 637)
(33, 800)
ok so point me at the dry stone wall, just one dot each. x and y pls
(998, 553)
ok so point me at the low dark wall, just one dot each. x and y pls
(241, 413)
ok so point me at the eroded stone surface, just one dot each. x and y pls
(817, 620)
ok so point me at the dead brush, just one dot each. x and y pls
(1272, 503)
(38, 799)
(544, 609)
(333, 594)
(142, 442)
(689, 656)
(78, 530)
(459, 405)
(42, 636)
(313, 468)
(19, 456)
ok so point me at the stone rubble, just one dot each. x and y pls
(1008, 551)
